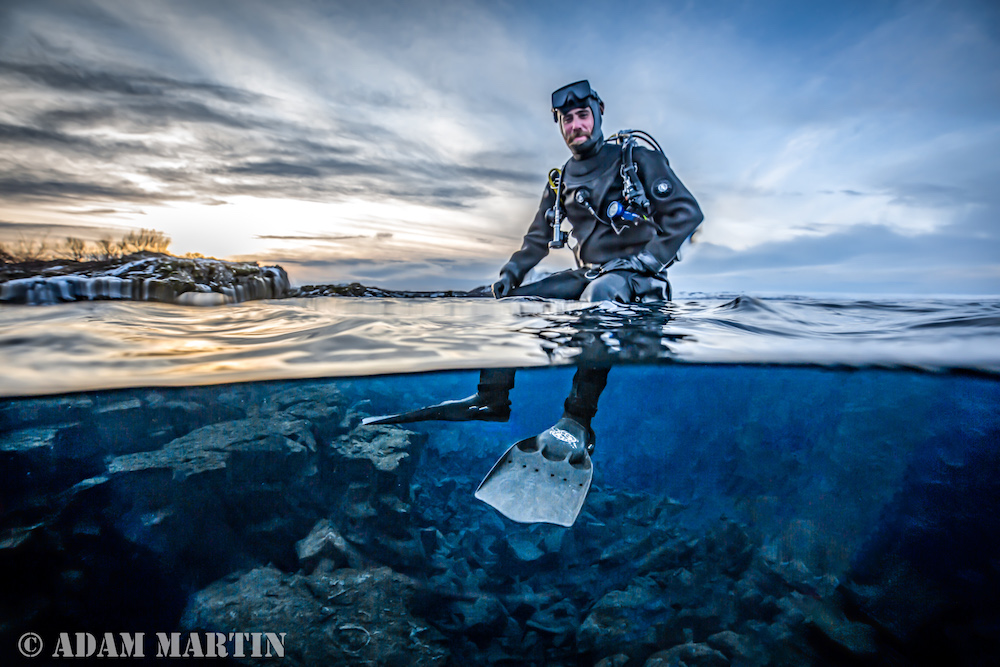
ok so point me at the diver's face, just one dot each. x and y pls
(576, 125)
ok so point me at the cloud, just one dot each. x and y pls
(790, 123)
(309, 237)
(27, 189)
(864, 259)
(14, 232)
(70, 77)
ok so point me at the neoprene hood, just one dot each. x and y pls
(577, 96)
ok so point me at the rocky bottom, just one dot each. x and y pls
(270, 509)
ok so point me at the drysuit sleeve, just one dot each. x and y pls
(535, 245)
(675, 212)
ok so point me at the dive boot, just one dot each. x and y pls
(545, 478)
(473, 408)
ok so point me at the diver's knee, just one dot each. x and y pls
(609, 287)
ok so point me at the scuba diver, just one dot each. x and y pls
(628, 214)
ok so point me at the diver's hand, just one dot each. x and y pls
(504, 286)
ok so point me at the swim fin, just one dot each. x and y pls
(545, 478)
(473, 408)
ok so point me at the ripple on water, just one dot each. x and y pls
(103, 345)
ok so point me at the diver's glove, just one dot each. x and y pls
(644, 263)
(504, 286)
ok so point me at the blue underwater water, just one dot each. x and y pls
(777, 481)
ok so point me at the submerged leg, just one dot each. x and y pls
(489, 403)
(546, 478)
(569, 437)
(588, 383)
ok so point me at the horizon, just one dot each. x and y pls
(844, 148)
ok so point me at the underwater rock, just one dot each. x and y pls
(383, 451)
(126, 426)
(56, 453)
(332, 617)
(632, 619)
(321, 404)
(324, 542)
(143, 277)
(667, 556)
(36, 412)
(270, 449)
(524, 547)
(561, 618)
(483, 617)
(32, 466)
(855, 639)
(628, 549)
(729, 547)
(370, 473)
(243, 484)
(688, 655)
(382, 459)
(736, 647)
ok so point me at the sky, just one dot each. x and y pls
(835, 147)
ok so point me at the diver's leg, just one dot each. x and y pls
(614, 286)
(573, 429)
(573, 435)
(567, 285)
(588, 383)
(493, 390)
(489, 403)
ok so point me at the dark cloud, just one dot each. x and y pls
(865, 258)
(21, 134)
(40, 138)
(23, 189)
(314, 169)
(229, 153)
(494, 174)
(276, 168)
(15, 231)
(309, 237)
(105, 211)
(74, 77)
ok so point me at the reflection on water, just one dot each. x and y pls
(98, 345)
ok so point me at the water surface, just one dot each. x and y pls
(100, 345)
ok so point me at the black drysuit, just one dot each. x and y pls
(675, 215)
(652, 247)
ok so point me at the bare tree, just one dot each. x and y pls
(107, 248)
(151, 240)
(30, 250)
(75, 248)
